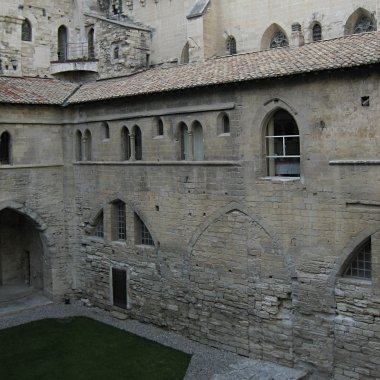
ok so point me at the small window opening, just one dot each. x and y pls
(26, 30)
(119, 287)
(91, 44)
(231, 45)
(99, 227)
(184, 142)
(119, 223)
(125, 144)
(87, 145)
(105, 131)
(5, 148)
(365, 101)
(160, 128)
(138, 143)
(317, 32)
(198, 143)
(143, 235)
(78, 146)
(226, 124)
(360, 266)
(116, 51)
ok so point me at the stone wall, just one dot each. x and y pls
(240, 259)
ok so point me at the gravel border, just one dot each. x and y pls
(206, 362)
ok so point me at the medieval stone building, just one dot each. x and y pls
(209, 166)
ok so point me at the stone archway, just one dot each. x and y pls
(21, 252)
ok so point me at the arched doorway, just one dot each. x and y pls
(21, 252)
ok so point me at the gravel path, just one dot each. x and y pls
(206, 363)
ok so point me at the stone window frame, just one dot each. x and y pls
(160, 127)
(98, 230)
(138, 142)
(5, 148)
(223, 124)
(316, 35)
(358, 17)
(78, 147)
(292, 161)
(231, 48)
(126, 152)
(359, 263)
(142, 233)
(26, 31)
(118, 221)
(279, 40)
(87, 145)
(105, 130)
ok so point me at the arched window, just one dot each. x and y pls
(160, 128)
(279, 39)
(116, 52)
(184, 141)
(125, 144)
(138, 143)
(231, 45)
(223, 124)
(142, 234)
(118, 221)
(26, 30)
(5, 148)
(365, 24)
(105, 131)
(99, 226)
(78, 146)
(282, 145)
(185, 56)
(91, 43)
(62, 43)
(87, 145)
(360, 264)
(198, 141)
(317, 32)
(360, 21)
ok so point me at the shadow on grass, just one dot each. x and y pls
(84, 349)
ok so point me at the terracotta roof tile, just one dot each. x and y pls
(354, 50)
(34, 90)
(345, 52)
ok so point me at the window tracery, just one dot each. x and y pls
(279, 40)
(364, 24)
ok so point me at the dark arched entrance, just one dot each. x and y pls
(21, 251)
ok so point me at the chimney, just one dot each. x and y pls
(297, 38)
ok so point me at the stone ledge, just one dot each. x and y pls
(158, 163)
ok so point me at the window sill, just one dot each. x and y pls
(281, 179)
(355, 281)
(158, 137)
(144, 246)
(224, 135)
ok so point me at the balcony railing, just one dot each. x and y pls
(76, 52)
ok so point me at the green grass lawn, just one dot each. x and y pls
(83, 349)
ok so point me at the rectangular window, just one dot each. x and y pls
(121, 223)
(119, 287)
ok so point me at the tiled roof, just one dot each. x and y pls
(351, 51)
(34, 90)
(345, 52)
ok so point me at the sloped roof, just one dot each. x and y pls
(352, 51)
(198, 9)
(35, 90)
(345, 52)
